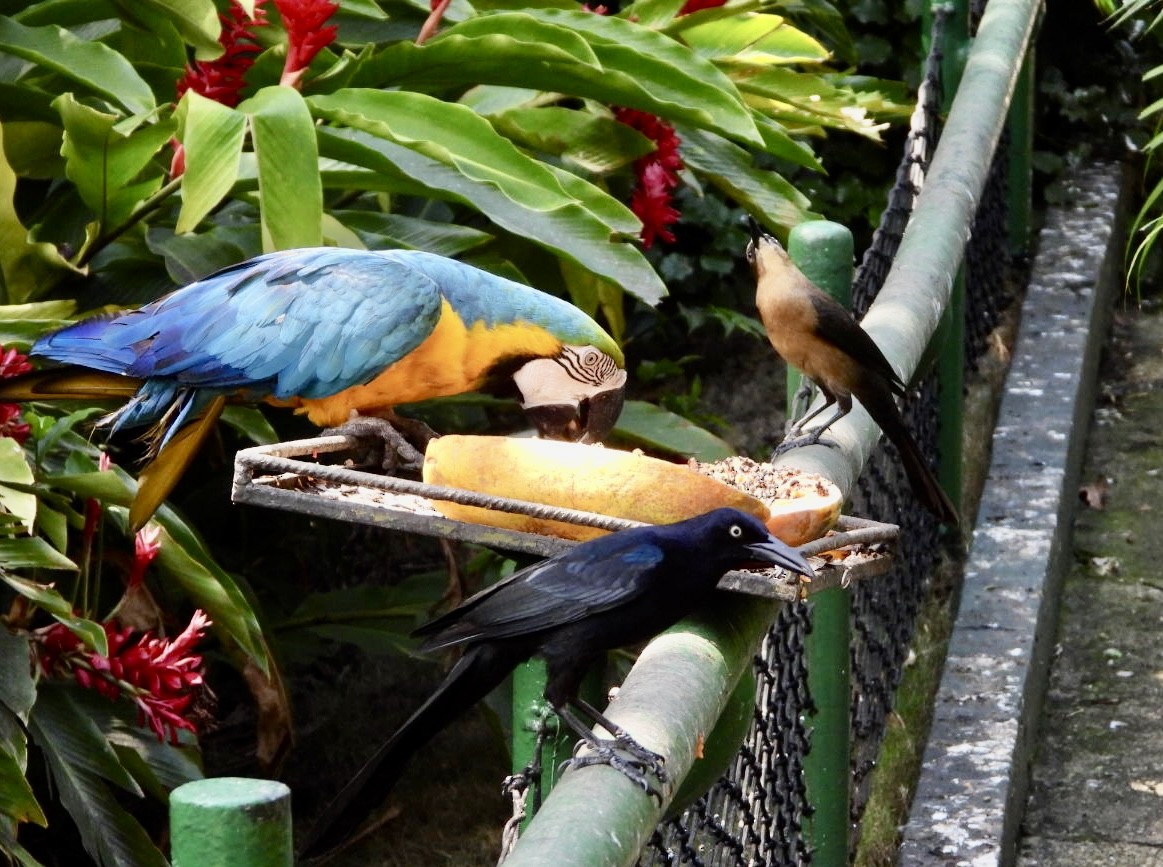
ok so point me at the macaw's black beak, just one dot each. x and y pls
(777, 553)
(589, 421)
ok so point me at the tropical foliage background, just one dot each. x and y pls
(146, 144)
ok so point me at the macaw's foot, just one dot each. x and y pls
(625, 762)
(390, 448)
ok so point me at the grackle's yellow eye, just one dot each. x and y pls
(736, 531)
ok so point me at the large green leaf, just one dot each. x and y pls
(158, 766)
(574, 53)
(27, 268)
(592, 142)
(380, 231)
(112, 170)
(92, 634)
(35, 553)
(684, 86)
(729, 168)
(290, 192)
(196, 21)
(251, 423)
(571, 229)
(450, 134)
(19, 502)
(644, 425)
(183, 559)
(17, 684)
(212, 136)
(760, 39)
(92, 65)
(83, 764)
(809, 100)
(17, 801)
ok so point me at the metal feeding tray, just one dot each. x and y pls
(290, 476)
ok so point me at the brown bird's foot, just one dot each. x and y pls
(798, 440)
(799, 405)
(633, 769)
(394, 453)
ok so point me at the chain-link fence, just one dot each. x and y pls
(755, 813)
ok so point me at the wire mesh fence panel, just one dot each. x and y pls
(755, 814)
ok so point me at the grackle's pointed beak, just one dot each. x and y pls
(777, 553)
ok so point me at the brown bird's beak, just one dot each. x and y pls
(588, 421)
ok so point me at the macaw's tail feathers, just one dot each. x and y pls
(475, 675)
(158, 478)
(69, 383)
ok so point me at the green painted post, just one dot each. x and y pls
(824, 252)
(530, 712)
(950, 336)
(231, 822)
(1021, 158)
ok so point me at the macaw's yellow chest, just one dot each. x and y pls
(453, 359)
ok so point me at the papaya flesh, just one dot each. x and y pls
(606, 481)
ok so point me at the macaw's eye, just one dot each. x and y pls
(736, 531)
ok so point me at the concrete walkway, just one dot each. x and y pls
(988, 730)
(1096, 794)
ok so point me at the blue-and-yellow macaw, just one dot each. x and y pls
(332, 332)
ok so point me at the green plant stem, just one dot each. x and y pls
(143, 210)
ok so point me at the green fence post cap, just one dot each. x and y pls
(231, 822)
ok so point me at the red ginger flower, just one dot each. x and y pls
(12, 424)
(698, 5)
(222, 79)
(161, 677)
(657, 175)
(306, 35)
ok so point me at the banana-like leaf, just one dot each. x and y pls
(290, 192)
(92, 634)
(570, 230)
(183, 560)
(28, 268)
(93, 65)
(592, 142)
(14, 468)
(212, 136)
(726, 165)
(17, 800)
(83, 764)
(157, 766)
(576, 53)
(196, 21)
(644, 425)
(760, 39)
(384, 231)
(112, 170)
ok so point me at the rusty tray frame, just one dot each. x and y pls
(287, 476)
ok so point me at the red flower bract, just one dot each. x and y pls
(222, 79)
(657, 175)
(306, 35)
(12, 424)
(696, 5)
(162, 677)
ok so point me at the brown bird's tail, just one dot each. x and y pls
(884, 412)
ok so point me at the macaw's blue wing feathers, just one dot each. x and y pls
(332, 332)
(302, 325)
